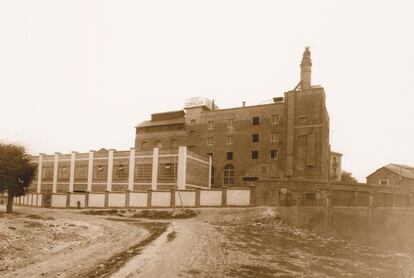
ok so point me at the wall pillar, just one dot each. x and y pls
(72, 171)
(55, 172)
(182, 167)
(356, 198)
(210, 164)
(154, 178)
(224, 197)
(39, 174)
(131, 170)
(110, 170)
(90, 171)
(172, 201)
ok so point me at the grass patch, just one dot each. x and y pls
(166, 214)
(101, 212)
(38, 217)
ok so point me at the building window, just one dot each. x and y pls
(173, 143)
(229, 140)
(228, 174)
(47, 173)
(256, 120)
(158, 144)
(229, 155)
(210, 124)
(143, 172)
(275, 119)
(209, 141)
(120, 172)
(273, 154)
(100, 172)
(63, 173)
(384, 182)
(192, 121)
(230, 123)
(255, 138)
(255, 154)
(274, 137)
(144, 145)
(81, 172)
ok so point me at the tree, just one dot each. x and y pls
(16, 172)
(347, 177)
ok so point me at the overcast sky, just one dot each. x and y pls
(79, 75)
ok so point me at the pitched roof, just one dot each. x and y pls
(402, 170)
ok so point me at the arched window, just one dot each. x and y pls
(229, 174)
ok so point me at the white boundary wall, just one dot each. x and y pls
(117, 200)
(138, 199)
(185, 198)
(75, 198)
(238, 197)
(211, 198)
(161, 198)
(96, 200)
(58, 201)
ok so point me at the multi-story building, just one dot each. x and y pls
(288, 138)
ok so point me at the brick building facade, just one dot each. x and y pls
(288, 138)
(401, 176)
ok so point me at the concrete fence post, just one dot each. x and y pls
(197, 197)
(298, 200)
(172, 202)
(68, 195)
(149, 198)
(86, 199)
(224, 197)
(127, 196)
(106, 199)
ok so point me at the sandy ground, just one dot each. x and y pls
(250, 242)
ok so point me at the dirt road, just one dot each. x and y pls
(250, 242)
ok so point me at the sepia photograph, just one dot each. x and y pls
(220, 138)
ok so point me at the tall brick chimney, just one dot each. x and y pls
(306, 70)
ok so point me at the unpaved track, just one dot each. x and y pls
(95, 239)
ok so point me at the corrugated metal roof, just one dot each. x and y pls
(158, 123)
(402, 170)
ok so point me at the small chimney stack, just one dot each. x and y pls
(306, 70)
(244, 104)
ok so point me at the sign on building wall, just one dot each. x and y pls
(198, 101)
